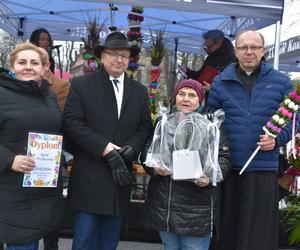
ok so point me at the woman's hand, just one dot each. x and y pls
(158, 170)
(23, 164)
(202, 181)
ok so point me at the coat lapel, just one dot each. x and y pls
(105, 93)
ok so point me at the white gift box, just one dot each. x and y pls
(186, 165)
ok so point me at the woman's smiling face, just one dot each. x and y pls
(28, 66)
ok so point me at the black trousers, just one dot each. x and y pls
(249, 213)
(51, 241)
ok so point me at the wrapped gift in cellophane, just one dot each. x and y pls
(187, 145)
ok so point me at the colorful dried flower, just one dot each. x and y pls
(288, 107)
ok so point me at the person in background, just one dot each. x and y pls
(182, 210)
(57, 85)
(26, 104)
(220, 54)
(249, 92)
(41, 38)
(107, 121)
(61, 89)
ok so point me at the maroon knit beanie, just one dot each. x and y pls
(195, 85)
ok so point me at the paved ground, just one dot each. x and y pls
(65, 244)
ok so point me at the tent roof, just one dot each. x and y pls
(268, 9)
(184, 19)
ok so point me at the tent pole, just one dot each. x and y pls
(277, 45)
(20, 30)
(175, 64)
(59, 62)
(112, 18)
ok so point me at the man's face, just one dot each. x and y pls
(210, 46)
(249, 50)
(115, 61)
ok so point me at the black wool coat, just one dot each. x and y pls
(26, 214)
(90, 121)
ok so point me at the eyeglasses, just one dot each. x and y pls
(244, 49)
(209, 47)
(115, 56)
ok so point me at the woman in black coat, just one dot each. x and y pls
(184, 212)
(26, 104)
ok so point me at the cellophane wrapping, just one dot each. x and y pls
(190, 131)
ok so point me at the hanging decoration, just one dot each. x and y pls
(157, 54)
(135, 38)
(90, 43)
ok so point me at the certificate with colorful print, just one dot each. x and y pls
(45, 150)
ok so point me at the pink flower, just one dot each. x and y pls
(295, 95)
(273, 128)
(285, 112)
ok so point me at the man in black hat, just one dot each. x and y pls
(107, 121)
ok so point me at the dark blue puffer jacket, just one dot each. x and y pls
(245, 115)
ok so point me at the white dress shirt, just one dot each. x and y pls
(118, 91)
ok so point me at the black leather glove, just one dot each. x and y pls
(128, 153)
(118, 168)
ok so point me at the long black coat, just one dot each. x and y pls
(181, 207)
(90, 121)
(26, 214)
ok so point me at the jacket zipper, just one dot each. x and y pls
(169, 204)
(211, 213)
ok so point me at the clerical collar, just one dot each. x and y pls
(248, 73)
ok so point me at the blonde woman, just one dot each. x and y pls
(26, 104)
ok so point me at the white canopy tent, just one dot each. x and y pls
(185, 20)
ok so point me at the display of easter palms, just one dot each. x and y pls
(91, 41)
(157, 49)
(157, 54)
(135, 37)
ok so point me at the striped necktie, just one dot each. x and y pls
(116, 83)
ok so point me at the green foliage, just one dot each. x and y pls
(290, 217)
(158, 49)
(137, 9)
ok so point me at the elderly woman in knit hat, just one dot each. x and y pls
(184, 211)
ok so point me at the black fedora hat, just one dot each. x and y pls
(115, 40)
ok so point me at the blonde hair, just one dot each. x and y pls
(26, 46)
